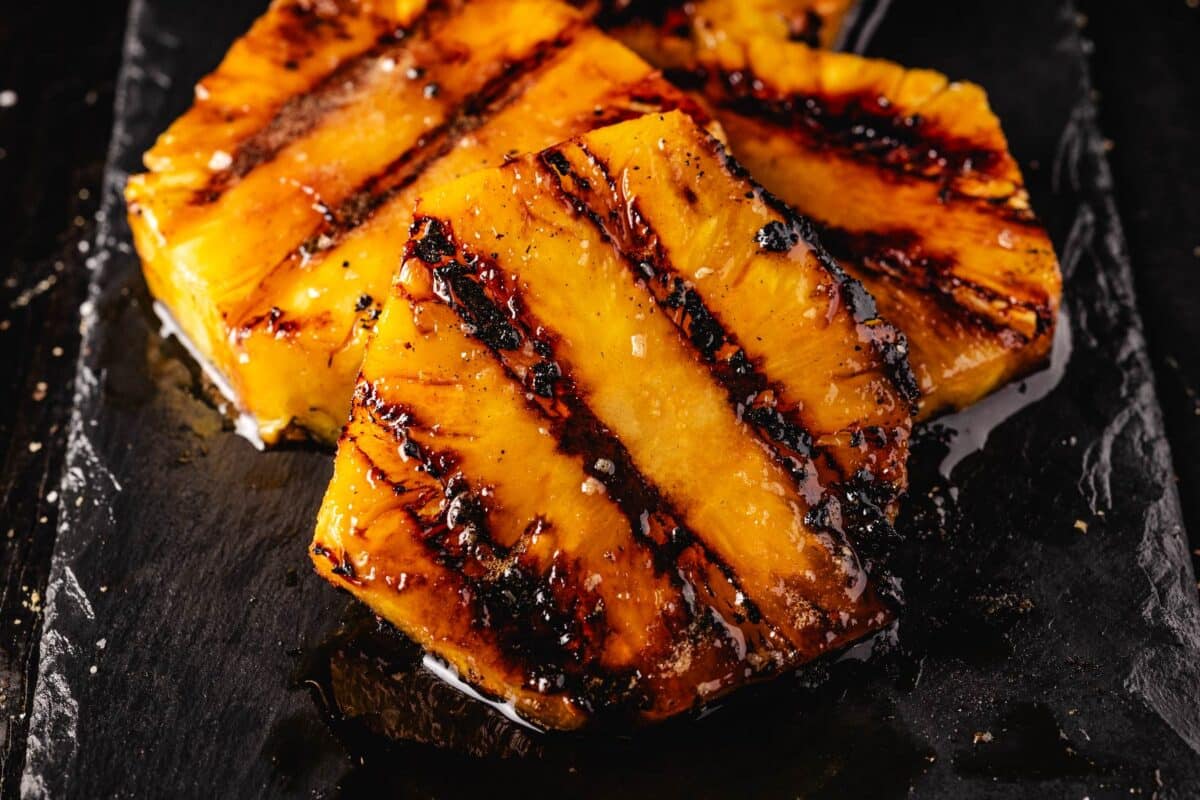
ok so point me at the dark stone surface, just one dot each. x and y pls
(53, 138)
(1033, 659)
(1150, 109)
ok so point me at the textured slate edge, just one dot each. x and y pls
(1149, 106)
(50, 747)
(1165, 675)
(1134, 689)
(52, 159)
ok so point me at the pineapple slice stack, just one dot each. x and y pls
(630, 364)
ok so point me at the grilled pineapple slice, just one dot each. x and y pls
(267, 221)
(909, 179)
(617, 432)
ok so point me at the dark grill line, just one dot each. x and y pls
(898, 254)
(865, 499)
(867, 128)
(651, 94)
(470, 115)
(301, 113)
(614, 13)
(476, 290)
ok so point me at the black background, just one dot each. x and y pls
(61, 62)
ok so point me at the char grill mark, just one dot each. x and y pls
(846, 503)
(477, 289)
(470, 115)
(901, 256)
(303, 112)
(546, 623)
(456, 285)
(867, 128)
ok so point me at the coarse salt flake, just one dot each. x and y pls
(591, 486)
(220, 160)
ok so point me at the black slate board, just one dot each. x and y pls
(1033, 659)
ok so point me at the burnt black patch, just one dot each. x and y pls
(740, 363)
(807, 29)
(894, 354)
(780, 429)
(457, 286)
(776, 237)
(431, 240)
(543, 376)
(558, 160)
(704, 331)
(671, 16)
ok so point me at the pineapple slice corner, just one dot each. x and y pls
(907, 176)
(266, 220)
